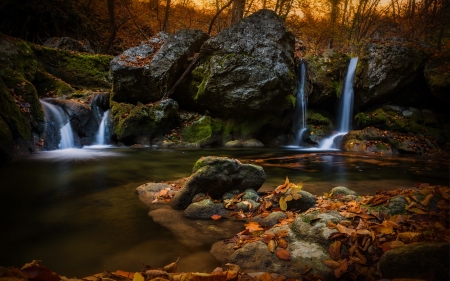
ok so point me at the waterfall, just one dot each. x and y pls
(102, 130)
(345, 108)
(299, 122)
(59, 118)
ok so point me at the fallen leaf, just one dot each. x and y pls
(216, 217)
(265, 277)
(267, 237)
(331, 263)
(283, 254)
(427, 200)
(272, 245)
(282, 233)
(335, 250)
(253, 226)
(341, 269)
(282, 243)
(138, 277)
(36, 271)
(345, 230)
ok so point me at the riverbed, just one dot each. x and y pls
(77, 211)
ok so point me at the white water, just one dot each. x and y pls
(56, 114)
(102, 130)
(345, 108)
(300, 107)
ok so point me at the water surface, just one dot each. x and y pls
(77, 211)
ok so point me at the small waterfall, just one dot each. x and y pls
(102, 130)
(59, 118)
(299, 122)
(345, 107)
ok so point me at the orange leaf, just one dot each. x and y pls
(282, 243)
(283, 254)
(282, 233)
(342, 268)
(331, 224)
(216, 217)
(267, 237)
(335, 250)
(345, 230)
(253, 226)
(272, 245)
(265, 277)
(427, 199)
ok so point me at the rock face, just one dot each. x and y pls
(387, 68)
(246, 71)
(67, 43)
(437, 75)
(426, 260)
(144, 73)
(142, 124)
(217, 175)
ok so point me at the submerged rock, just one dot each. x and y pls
(217, 175)
(146, 72)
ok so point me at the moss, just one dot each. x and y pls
(49, 85)
(362, 119)
(18, 56)
(316, 118)
(337, 85)
(382, 146)
(202, 130)
(78, 69)
(292, 99)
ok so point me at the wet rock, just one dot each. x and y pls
(250, 194)
(270, 220)
(313, 226)
(234, 143)
(247, 205)
(257, 257)
(205, 132)
(216, 176)
(244, 71)
(67, 43)
(253, 143)
(437, 74)
(147, 192)
(141, 124)
(303, 203)
(425, 260)
(144, 73)
(203, 209)
(341, 191)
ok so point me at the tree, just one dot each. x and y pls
(237, 11)
(166, 17)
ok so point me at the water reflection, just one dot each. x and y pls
(76, 209)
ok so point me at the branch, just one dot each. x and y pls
(140, 30)
(217, 14)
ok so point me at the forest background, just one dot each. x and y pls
(111, 26)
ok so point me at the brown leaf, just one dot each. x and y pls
(124, 274)
(345, 230)
(335, 250)
(283, 254)
(282, 243)
(253, 226)
(233, 271)
(427, 199)
(154, 273)
(331, 263)
(267, 237)
(36, 271)
(171, 267)
(305, 269)
(272, 245)
(361, 225)
(341, 269)
(265, 277)
(331, 224)
(282, 233)
(347, 215)
(408, 236)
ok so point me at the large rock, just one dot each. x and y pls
(388, 67)
(425, 260)
(144, 73)
(437, 75)
(217, 175)
(141, 124)
(245, 71)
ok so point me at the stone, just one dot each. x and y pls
(148, 191)
(233, 143)
(303, 203)
(341, 191)
(253, 143)
(67, 43)
(243, 72)
(437, 75)
(424, 260)
(144, 73)
(270, 220)
(205, 132)
(216, 176)
(203, 209)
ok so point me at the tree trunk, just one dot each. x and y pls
(237, 11)
(166, 17)
(112, 26)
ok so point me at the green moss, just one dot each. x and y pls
(382, 146)
(18, 56)
(362, 119)
(292, 99)
(49, 85)
(202, 130)
(337, 85)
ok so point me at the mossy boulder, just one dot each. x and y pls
(141, 124)
(405, 120)
(18, 56)
(387, 67)
(216, 176)
(245, 71)
(325, 75)
(425, 260)
(146, 72)
(48, 85)
(319, 126)
(206, 131)
(437, 74)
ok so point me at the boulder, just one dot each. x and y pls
(205, 132)
(245, 72)
(256, 257)
(204, 209)
(252, 143)
(141, 124)
(270, 220)
(342, 191)
(425, 260)
(147, 192)
(67, 43)
(217, 175)
(437, 75)
(146, 72)
(303, 203)
(387, 67)
(318, 126)
(233, 143)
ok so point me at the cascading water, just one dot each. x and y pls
(299, 121)
(100, 138)
(345, 108)
(59, 118)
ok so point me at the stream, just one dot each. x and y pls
(77, 211)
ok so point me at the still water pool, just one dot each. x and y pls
(77, 211)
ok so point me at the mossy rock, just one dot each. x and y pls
(81, 70)
(49, 85)
(18, 56)
(206, 132)
(437, 74)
